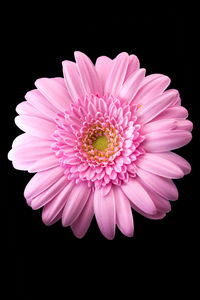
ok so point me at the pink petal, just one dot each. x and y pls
(160, 125)
(159, 104)
(53, 208)
(35, 126)
(163, 141)
(156, 216)
(156, 164)
(75, 203)
(25, 108)
(131, 85)
(133, 65)
(137, 194)
(89, 76)
(49, 194)
(41, 181)
(151, 87)
(103, 66)
(124, 217)
(56, 94)
(162, 186)
(82, 223)
(45, 163)
(36, 99)
(182, 124)
(178, 160)
(104, 208)
(117, 74)
(25, 138)
(73, 80)
(173, 113)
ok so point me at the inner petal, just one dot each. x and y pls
(100, 143)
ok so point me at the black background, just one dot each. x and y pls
(50, 259)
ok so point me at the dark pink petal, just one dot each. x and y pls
(88, 73)
(137, 194)
(124, 217)
(82, 223)
(75, 203)
(105, 213)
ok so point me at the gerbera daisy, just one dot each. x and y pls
(100, 141)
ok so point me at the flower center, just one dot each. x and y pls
(100, 143)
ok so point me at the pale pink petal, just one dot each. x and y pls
(22, 165)
(151, 87)
(49, 194)
(124, 217)
(25, 138)
(36, 99)
(75, 203)
(151, 110)
(73, 80)
(105, 213)
(161, 185)
(138, 195)
(133, 65)
(156, 164)
(117, 74)
(53, 208)
(25, 108)
(173, 113)
(89, 76)
(163, 141)
(41, 181)
(131, 85)
(160, 125)
(35, 126)
(178, 160)
(103, 66)
(182, 124)
(56, 94)
(82, 223)
(44, 163)
(156, 216)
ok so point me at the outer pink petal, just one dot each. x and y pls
(159, 104)
(55, 93)
(89, 76)
(82, 223)
(160, 125)
(117, 74)
(105, 213)
(103, 66)
(41, 181)
(178, 160)
(36, 99)
(25, 138)
(156, 164)
(162, 186)
(133, 65)
(45, 163)
(49, 194)
(124, 217)
(151, 87)
(173, 113)
(131, 85)
(138, 195)
(53, 208)
(25, 108)
(36, 126)
(75, 203)
(73, 80)
(156, 216)
(163, 141)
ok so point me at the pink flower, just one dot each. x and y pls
(100, 141)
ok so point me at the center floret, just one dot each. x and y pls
(100, 142)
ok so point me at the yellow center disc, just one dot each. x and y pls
(101, 143)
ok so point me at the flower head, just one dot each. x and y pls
(100, 141)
